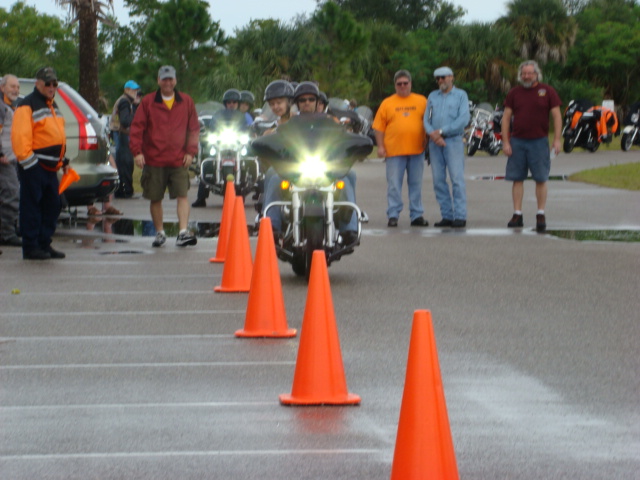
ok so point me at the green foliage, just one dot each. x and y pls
(31, 40)
(587, 48)
(338, 40)
(406, 15)
(185, 36)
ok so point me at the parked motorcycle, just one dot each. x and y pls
(583, 125)
(485, 133)
(312, 154)
(226, 154)
(631, 131)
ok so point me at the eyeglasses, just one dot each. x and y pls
(440, 78)
(307, 99)
(402, 84)
(51, 84)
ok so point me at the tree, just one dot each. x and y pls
(88, 13)
(481, 51)
(185, 36)
(405, 14)
(31, 40)
(542, 28)
(339, 40)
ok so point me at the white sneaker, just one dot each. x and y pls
(159, 240)
(186, 238)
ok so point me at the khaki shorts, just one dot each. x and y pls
(155, 180)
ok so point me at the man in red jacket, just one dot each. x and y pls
(163, 140)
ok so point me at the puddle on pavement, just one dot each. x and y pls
(139, 228)
(598, 235)
(560, 178)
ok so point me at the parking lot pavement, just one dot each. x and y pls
(120, 360)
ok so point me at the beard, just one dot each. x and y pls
(443, 87)
(527, 84)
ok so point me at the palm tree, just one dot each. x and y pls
(543, 29)
(87, 13)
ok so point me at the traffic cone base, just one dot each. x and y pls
(236, 275)
(225, 223)
(424, 447)
(319, 374)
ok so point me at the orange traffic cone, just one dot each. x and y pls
(424, 447)
(319, 376)
(67, 179)
(225, 223)
(236, 275)
(266, 316)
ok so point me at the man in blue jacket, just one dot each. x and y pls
(444, 120)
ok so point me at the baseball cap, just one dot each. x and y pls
(443, 72)
(47, 74)
(166, 71)
(132, 84)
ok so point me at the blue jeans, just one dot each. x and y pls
(396, 166)
(453, 203)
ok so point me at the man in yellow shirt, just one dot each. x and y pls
(401, 141)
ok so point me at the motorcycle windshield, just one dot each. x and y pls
(307, 139)
(228, 120)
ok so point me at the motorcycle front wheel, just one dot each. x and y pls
(472, 148)
(627, 142)
(568, 145)
(315, 236)
(594, 146)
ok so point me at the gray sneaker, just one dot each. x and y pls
(159, 240)
(185, 239)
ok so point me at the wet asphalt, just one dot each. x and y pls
(120, 362)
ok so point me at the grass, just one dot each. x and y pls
(625, 176)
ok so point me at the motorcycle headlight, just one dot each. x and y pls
(313, 168)
(228, 136)
(212, 151)
(243, 138)
(244, 151)
(212, 138)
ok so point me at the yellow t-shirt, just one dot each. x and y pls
(169, 102)
(401, 119)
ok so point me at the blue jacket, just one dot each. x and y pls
(448, 112)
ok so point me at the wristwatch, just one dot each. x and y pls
(440, 132)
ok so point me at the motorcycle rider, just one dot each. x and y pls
(247, 100)
(231, 101)
(305, 97)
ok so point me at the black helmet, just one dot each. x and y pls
(306, 88)
(231, 95)
(322, 97)
(278, 89)
(247, 97)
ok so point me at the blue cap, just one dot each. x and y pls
(132, 84)
(443, 72)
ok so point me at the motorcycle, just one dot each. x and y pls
(631, 131)
(583, 126)
(312, 153)
(485, 133)
(225, 148)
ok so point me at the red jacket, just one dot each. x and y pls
(164, 136)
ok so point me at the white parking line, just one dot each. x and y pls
(139, 365)
(114, 337)
(127, 313)
(205, 453)
(119, 406)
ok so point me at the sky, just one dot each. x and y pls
(238, 13)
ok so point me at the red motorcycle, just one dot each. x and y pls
(485, 133)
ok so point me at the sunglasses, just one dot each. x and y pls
(307, 99)
(51, 84)
(440, 78)
(402, 84)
